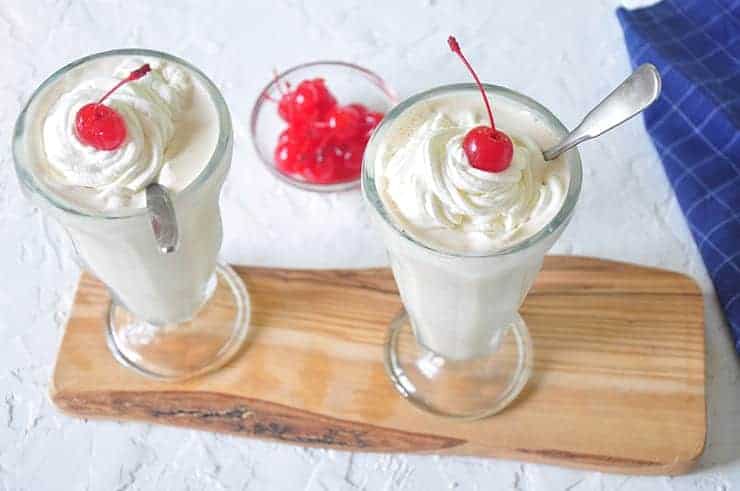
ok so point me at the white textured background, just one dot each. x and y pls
(567, 54)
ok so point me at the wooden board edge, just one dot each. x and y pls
(692, 460)
(225, 413)
(605, 463)
(278, 423)
(690, 281)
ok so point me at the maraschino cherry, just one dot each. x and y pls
(324, 141)
(100, 126)
(487, 148)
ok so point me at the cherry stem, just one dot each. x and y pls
(135, 75)
(280, 89)
(276, 80)
(455, 47)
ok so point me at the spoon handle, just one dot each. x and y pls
(632, 96)
(162, 218)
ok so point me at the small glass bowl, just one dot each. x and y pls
(348, 82)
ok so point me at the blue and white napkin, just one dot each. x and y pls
(695, 125)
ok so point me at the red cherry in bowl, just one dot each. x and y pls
(312, 99)
(324, 141)
(346, 122)
(285, 107)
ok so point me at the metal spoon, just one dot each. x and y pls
(632, 96)
(162, 218)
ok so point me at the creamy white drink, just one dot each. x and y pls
(459, 285)
(128, 150)
(172, 129)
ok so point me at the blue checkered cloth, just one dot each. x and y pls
(695, 124)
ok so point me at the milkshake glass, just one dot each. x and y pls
(172, 315)
(460, 347)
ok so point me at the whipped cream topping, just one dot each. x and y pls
(150, 107)
(433, 192)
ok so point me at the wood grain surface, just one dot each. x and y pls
(618, 382)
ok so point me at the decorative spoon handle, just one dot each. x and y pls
(632, 96)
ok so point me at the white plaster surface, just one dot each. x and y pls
(568, 54)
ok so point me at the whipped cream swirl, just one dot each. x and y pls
(150, 107)
(436, 194)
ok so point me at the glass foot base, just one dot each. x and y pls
(183, 350)
(469, 389)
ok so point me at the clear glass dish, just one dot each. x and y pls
(348, 82)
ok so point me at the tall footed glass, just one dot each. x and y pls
(460, 348)
(172, 315)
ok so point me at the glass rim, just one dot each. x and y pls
(268, 161)
(371, 195)
(28, 179)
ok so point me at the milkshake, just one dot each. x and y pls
(433, 195)
(465, 244)
(170, 126)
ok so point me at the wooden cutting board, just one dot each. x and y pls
(618, 382)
